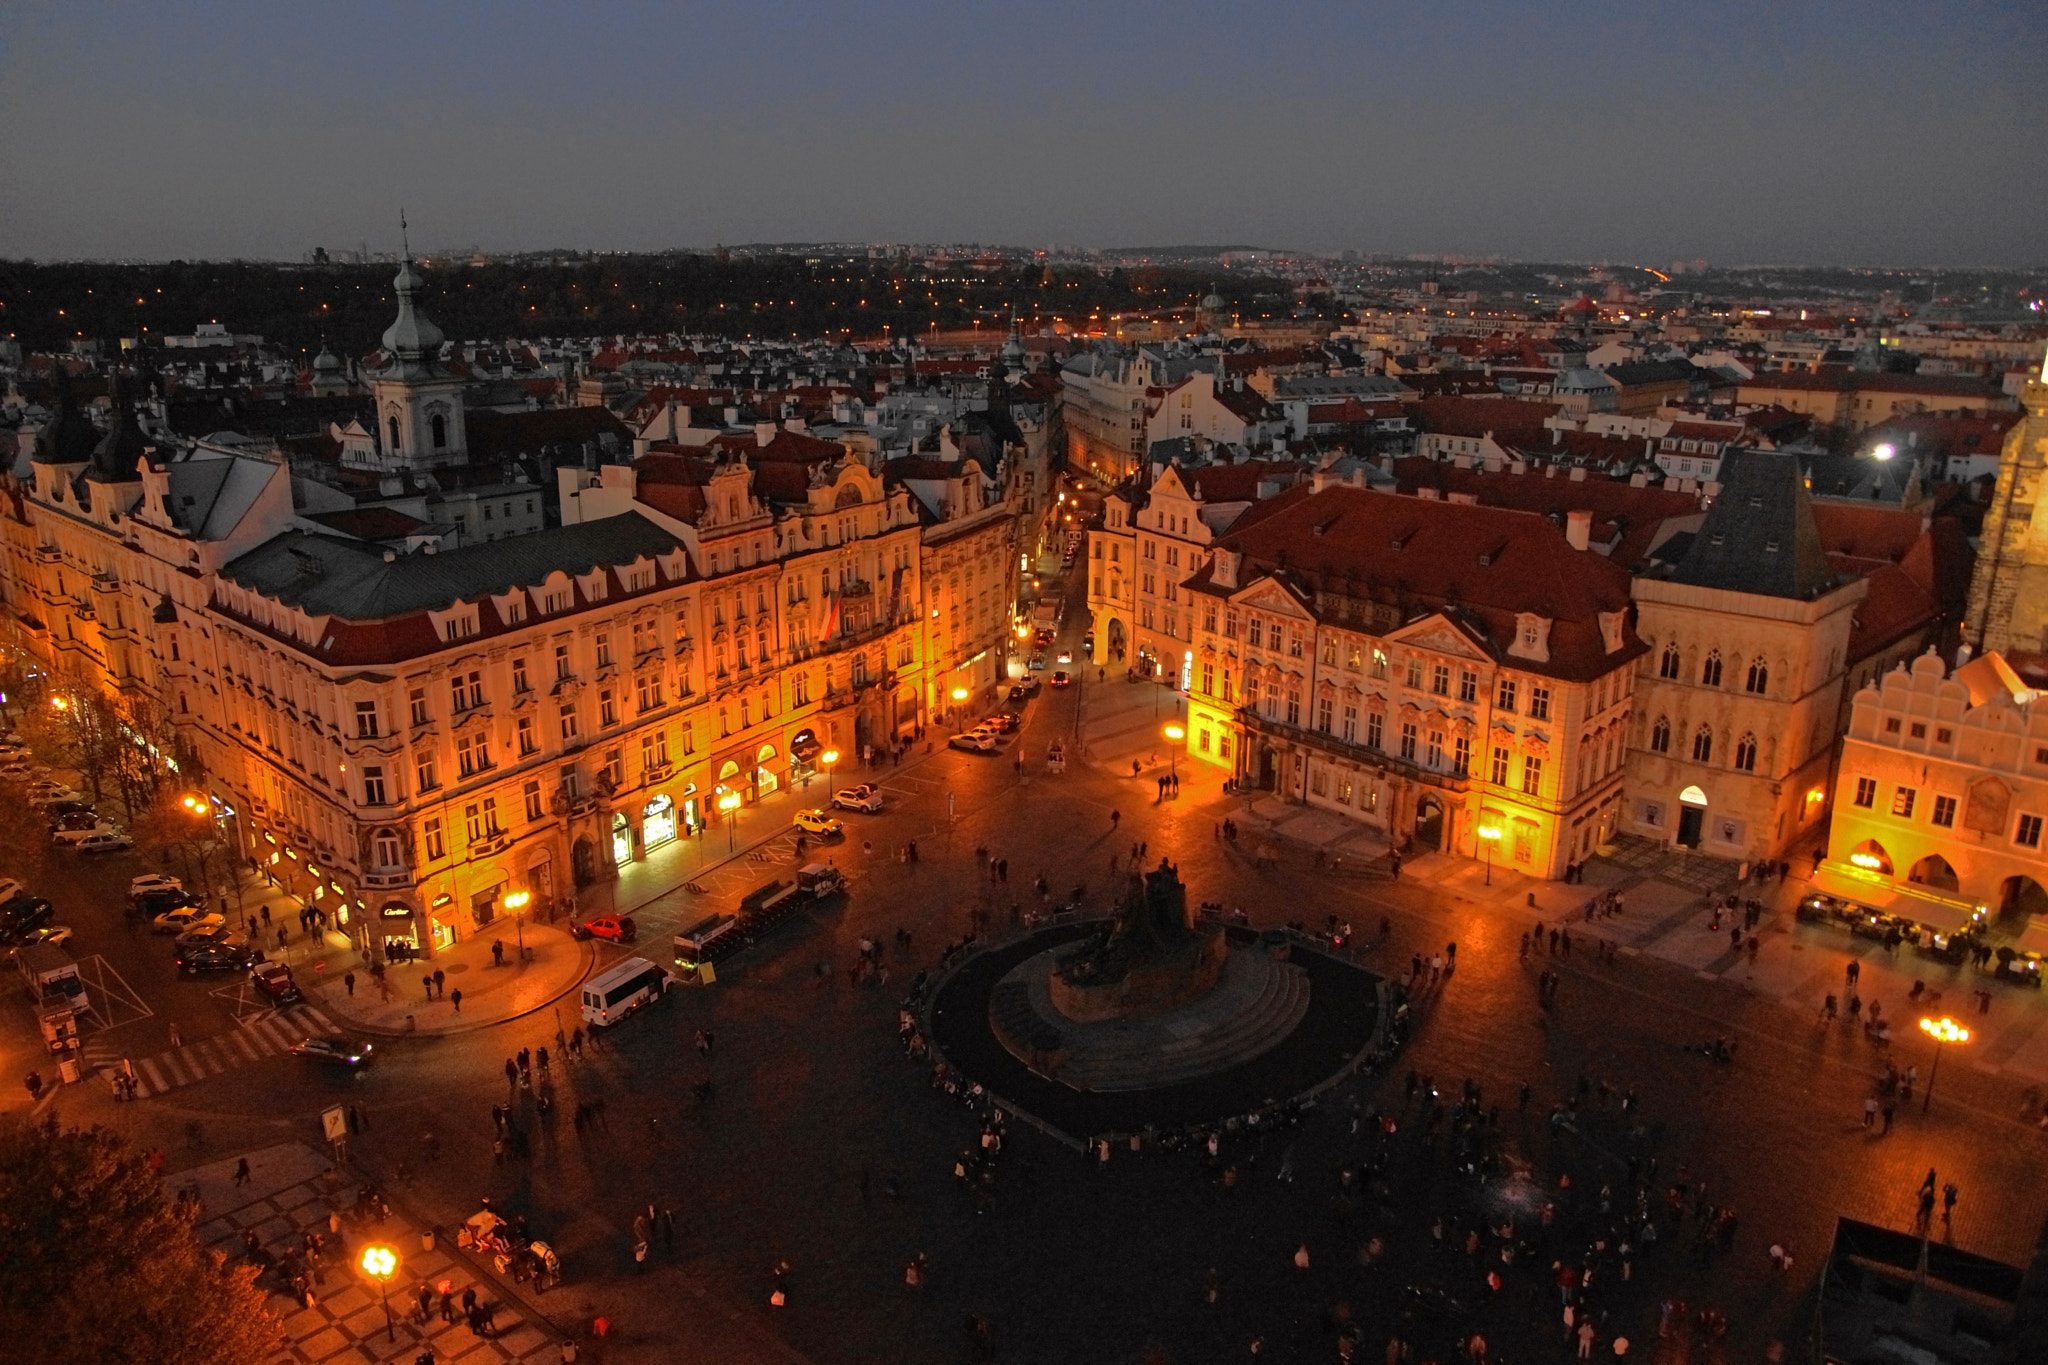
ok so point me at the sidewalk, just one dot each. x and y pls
(492, 992)
(290, 1191)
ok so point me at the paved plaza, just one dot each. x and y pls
(821, 1145)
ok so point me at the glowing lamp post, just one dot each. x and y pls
(729, 805)
(1491, 835)
(1174, 735)
(959, 710)
(379, 1263)
(517, 903)
(1943, 1031)
(827, 759)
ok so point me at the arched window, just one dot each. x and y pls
(1660, 736)
(392, 423)
(1759, 679)
(1745, 754)
(1703, 746)
(440, 426)
(1710, 670)
(1668, 668)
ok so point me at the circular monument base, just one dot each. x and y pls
(1067, 1078)
(1256, 1001)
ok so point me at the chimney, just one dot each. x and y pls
(1578, 529)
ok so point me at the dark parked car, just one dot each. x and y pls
(150, 904)
(216, 956)
(22, 914)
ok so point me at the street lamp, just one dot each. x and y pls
(729, 805)
(959, 696)
(1174, 735)
(1943, 1031)
(380, 1263)
(828, 758)
(517, 903)
(1491, 834)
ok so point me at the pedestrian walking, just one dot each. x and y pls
(456, 999)
(541, 1057)
(242, 1171)
(440, 982)
(348, 981)
(427, 984)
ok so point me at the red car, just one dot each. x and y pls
(617, 928)
(274, 981)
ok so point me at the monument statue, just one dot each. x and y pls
(1153, 957)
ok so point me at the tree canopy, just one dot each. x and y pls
(98, 1267)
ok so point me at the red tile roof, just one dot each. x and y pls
(1487, 563)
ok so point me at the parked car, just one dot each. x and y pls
(22, 916)
(1003, 722)
(153, 881)
(16, 767)
(68, 814)
(863, 797)
(217, 956)
(9, 889)
(74, 835)
(54, 934)
(979, 742)
(185, 918)
(105, 841)
(210, 933)
(817, 822)
(334, 1052)
(45, 797)
(1066, 656)
(1061, 679)
(273, 981)
(150, 904)
(1037, 662)
(612, 928)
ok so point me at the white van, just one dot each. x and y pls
(624, 987)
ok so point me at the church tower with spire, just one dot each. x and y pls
(418, 400)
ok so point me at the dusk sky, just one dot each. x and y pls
(1865, 133)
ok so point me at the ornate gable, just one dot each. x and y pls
(1443, 636)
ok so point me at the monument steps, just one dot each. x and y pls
(1142, 1062)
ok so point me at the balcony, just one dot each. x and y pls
(1443, 778)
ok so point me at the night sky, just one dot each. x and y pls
(1868, 133)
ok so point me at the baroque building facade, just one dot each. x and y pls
(408, 738)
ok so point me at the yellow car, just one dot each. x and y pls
(817, 822)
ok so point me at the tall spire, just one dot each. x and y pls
(413, 342)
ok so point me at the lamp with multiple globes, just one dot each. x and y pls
(1491, 834)
(1943, 1031)
(379, 1264)
(517, 903)
(1174, 735)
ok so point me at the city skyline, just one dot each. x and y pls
(1738, 136)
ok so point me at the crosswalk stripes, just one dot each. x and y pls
(256, 1038)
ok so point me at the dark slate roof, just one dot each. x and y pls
(1760, 536)
(69, 437)
(115, 457)
(326, 576)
